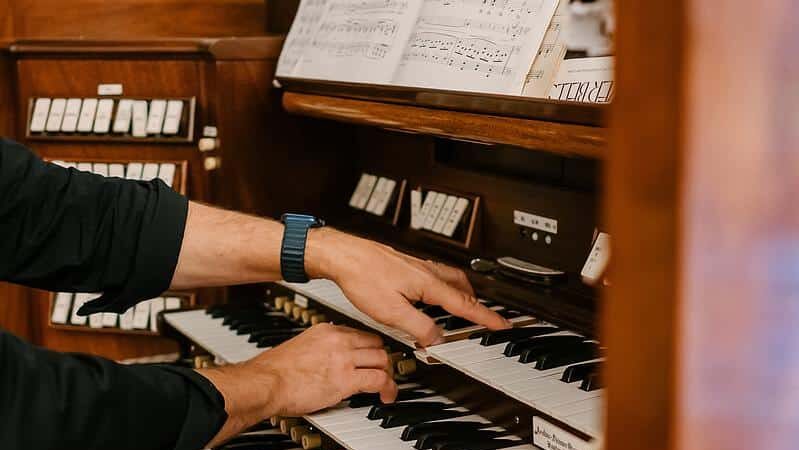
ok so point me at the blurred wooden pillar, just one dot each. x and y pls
(702, 321)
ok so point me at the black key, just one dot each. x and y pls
(515, 348)
(284, 445)
(578, 372)
(490, 444)
(413, 432)
(592, 382)
(262, 320)
(257, 325)
(259, 438)
(478, 334)
(564, 356)
(454, 323)
(413, 417)
(513, 334)
(432, 440)
(435, 311)
(381, 411)
(365, 399)
(532, 354)
(509, 313)
(256, 335)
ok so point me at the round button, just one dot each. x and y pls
(548, 239)
(534, 235)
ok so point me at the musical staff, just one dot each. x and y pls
(302, 31)
(545, 66)
(475, 45)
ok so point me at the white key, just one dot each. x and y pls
(56, 115)
(134, 171)
(155, 121)
(110, 319)
(86, 167)
(156, 306)
(116, 170)
(166, 172)
(174, 111)
(71, 115)
(210, 334)
(41, 111)
(141, 315)
(87, 113)
(77, 302)
(171, 303)
(126, 319)
(100, 169)
(446, 210)
(150, 172)
(139, 119)
(124, 116)
(102, 121)
(61, 307)
(96, 320)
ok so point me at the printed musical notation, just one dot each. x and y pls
(475, 45)
(302, 31)
(359, 41)
(545, 66)
(464, 54)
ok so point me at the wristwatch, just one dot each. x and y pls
(292, 251)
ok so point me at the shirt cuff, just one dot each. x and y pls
(205, 414)
(160, 241)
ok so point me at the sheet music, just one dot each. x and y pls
(588, 80)
(359, 40)
(547, 61)
(300, 35)
(475, 45)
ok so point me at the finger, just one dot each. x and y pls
(371, 358)
(376, 380)
(361, 339)
(452, 276)
(416, 323)
(463, 305)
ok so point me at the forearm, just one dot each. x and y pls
(223, 248)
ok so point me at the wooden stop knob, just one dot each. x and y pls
(275, 421)
(280, 301)
(298, 432)
(307, 314)
(296, 313)
(318, 318)
(311, 441)
(288, 307)
(287, 424)
(202, 362)
(406, 366)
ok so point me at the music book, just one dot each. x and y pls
(486, 46)
(586, 80)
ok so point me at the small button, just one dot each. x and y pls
(534, 235)
(548, 239)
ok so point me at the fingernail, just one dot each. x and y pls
(508, 323)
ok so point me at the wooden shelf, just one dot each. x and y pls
(561, 138)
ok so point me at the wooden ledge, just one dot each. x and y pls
(560, 138)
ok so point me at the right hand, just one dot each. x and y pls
(317, 369)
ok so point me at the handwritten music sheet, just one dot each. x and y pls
(300, 35)
(587, 80)
(547, 61)
(475, 45)
(359, 40)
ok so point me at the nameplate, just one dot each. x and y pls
(550, 437)
(109, 89)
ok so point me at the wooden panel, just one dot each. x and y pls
(739, 247)
(15, 311)
(642, 206)
(549, 136)
(137, 18)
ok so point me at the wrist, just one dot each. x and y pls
(250, 395)
(317, 249)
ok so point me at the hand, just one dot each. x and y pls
(317, 369)
(383, 283)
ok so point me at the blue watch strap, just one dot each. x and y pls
(292, 251)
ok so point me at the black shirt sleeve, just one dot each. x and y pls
(68, 230)
(53, 401)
